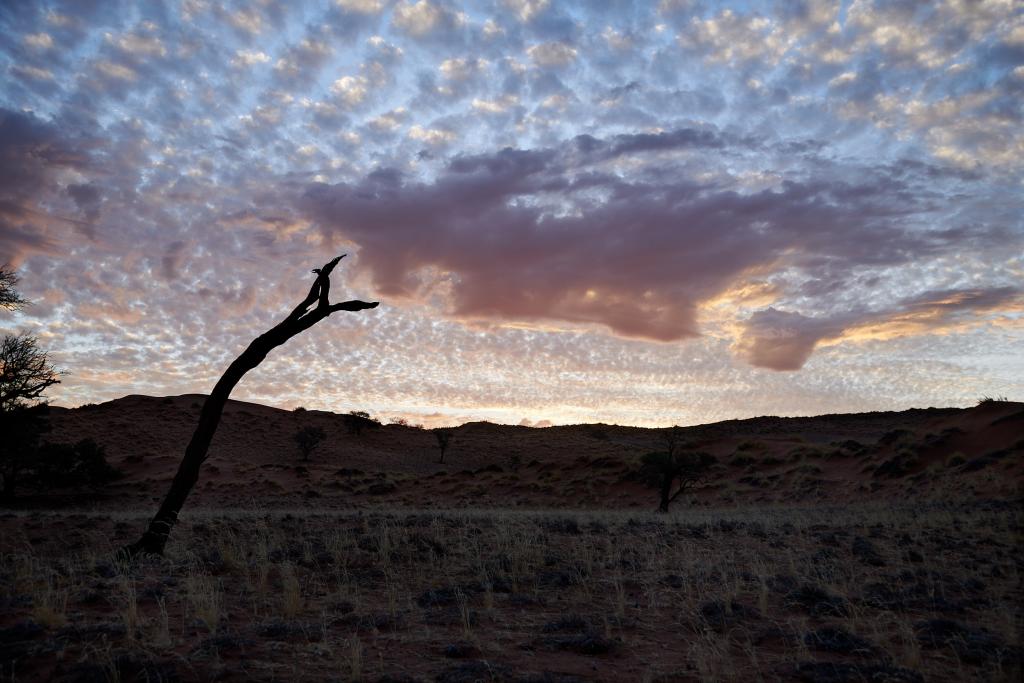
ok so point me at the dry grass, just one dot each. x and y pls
(754, 594)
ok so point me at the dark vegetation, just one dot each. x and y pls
(358, 420)
(62, 465)
(443, 437)
(677, 467)
(27, 460)
(10, 298)
(754, 594)
(308, 438)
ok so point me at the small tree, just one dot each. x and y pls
(25, 374)
(308, 438)
(663, 469)
(357, 420)
(672, 438)
(443, 436)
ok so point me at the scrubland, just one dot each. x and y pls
(862, 592)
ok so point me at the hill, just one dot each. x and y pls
(920, 453)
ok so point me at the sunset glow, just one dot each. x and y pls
(640, 213)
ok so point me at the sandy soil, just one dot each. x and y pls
(873, 547)
(926, 454)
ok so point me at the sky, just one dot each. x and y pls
(626, 212)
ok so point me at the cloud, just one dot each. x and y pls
(462, 68)
(735, 38)
(496, 106)
(33, 155)
(553, 234)
(535, 189)
(526, 10)
(246, 58)
(361, 6)
(247, 20)
(173, 258)
(87, 198)
(434, 137)
(303, 61)
(424, 18)
(552, 55)
(351, 90)
(33, 73)
(39, 41)
(784, 340)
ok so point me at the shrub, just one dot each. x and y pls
(741, 460)
(956, 459)
(308, 438)
(895, 437)
(898, 465)
(59, 465)
(358, 420)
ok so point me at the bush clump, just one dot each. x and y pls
(62, 465)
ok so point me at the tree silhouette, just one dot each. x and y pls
(308, 438)
(21, 429)
(443, 436)
(25, 374)
(10, 300)
(299, 320)
(664, 468)
(356, 420)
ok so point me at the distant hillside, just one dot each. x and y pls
(921, 453)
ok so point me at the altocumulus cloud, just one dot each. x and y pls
(647, 208)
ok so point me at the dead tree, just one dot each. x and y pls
(299, 320)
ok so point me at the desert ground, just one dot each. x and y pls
(866, 547)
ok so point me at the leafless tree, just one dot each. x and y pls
(10, 299)
(314, 308)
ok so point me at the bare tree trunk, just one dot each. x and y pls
(299, 320)
(666, 488)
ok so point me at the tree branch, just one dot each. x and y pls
(318, 292)
(354, 305)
